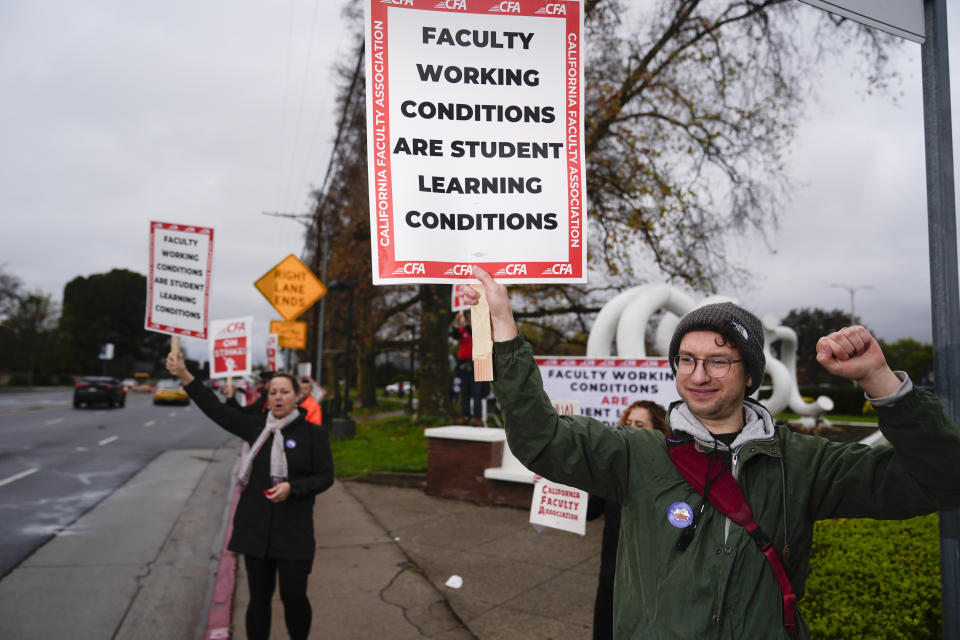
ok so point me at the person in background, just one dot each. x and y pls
(642, 414)
(471, 391)
(309, 404)
(289, 463)
(259, 406)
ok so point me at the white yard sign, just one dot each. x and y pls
(559, 506)
(604, 387)
(474, 138)
(178, 286)
(229, 345)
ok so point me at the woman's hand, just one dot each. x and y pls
(279, 493)
(178, 368)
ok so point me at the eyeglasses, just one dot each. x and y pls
(716, 367)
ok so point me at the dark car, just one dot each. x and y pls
(103, 389)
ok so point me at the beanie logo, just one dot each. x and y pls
(740, 329)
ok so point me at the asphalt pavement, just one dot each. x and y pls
(144, 562)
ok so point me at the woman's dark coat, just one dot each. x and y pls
(262, 528)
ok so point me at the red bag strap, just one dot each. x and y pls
(726, 496)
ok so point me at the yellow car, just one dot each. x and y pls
(170, 392)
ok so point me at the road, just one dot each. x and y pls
(57, 462)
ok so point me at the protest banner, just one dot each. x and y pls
(273, 352)
(604, 387)
(229, 347)
(474, 138)
(178, 284)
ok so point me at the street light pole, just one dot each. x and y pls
(852, 291)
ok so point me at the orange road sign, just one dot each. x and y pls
(290, 287)
(292, 334)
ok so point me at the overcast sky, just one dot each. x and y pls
(115, 113)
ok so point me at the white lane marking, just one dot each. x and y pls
(81, 449)
(173, 414)
(108, 440)
(18, 476)
(54, 421)
(149, 423)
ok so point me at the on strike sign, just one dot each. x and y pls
(230, 347)
(474, 138)
(178, 286)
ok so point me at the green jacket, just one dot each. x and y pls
(722, 586)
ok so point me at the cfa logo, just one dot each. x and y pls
(560, 269)
(399, 3)
(552, 9)
(519, 269)
(459, 270)
(453, 5)
(410, 269)
(507, 6)
(236, 327)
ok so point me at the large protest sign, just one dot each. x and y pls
(178, 286)
(604, 387)
(229, 346)
(474, 138)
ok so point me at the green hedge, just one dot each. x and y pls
(873, 580)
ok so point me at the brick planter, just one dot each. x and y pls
(456, 460)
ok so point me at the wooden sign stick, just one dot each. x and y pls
(174, 344)
(482, 338)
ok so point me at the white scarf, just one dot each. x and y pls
(278, 459)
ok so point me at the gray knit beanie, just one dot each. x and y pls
(740, 327)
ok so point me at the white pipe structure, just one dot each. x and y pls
(620, 329)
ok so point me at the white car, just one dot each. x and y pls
(399, 388)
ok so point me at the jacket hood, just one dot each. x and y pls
(758, 425)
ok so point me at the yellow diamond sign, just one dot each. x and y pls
(291, 287)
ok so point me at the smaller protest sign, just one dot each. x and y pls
(178, 285)
(559, 506)
(273, 352)
(604, 387)
(229, 346)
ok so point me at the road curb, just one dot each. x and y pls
(220, 610)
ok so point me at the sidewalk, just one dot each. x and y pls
(385, 552)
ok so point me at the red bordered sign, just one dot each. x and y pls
(178, 286)
(604, 387)
(475, 154)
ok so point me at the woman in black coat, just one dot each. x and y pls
(289, 464)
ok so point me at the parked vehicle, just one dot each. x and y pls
(143, 382)
(399, 388)
(99, 389)
(129, 384)
(170, 392)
